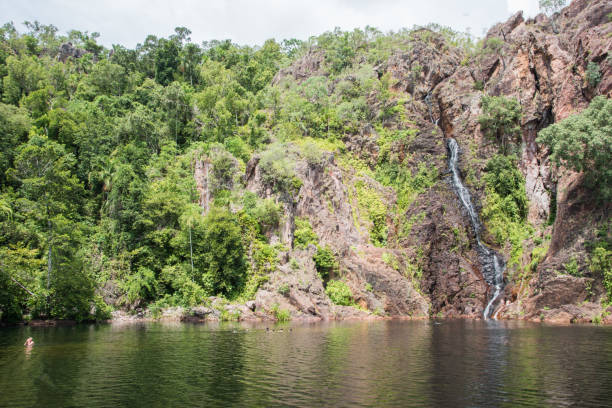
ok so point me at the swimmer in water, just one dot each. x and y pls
(29, 342)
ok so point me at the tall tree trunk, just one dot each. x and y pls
(191, 249)
(49, 260)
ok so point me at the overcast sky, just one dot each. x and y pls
(128, 22)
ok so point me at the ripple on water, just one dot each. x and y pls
(385, 363)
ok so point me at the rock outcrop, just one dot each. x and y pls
(67, 50)
(431, 267)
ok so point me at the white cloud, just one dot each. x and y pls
(251, 21)
(530, 7)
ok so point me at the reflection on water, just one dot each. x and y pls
(385, 363)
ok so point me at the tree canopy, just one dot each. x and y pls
(583, 143)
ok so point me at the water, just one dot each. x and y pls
(462, 363)
(492, 264)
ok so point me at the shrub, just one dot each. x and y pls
(223, 262)
(283, 289)
(339, 293)
(600, 264)
(278, 169)
(372, 204)
(325, 261)
(505, 208)
(508, 182)
(592, 74)
(303, 234)
(313, 154)
(281, 315)
(267, 213)
(227, 316)
(571, 268)
(500, 120)
(583, 143)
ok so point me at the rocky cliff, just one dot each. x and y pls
(428, 265)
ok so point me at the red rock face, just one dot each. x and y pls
(545, 72)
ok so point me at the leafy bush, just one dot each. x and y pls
(325, 261)
(500, 120)
(223, 262)
(283, 289)
(278, 169)
(571, 268)
(582, 142)
(505, 208)
(592, 74)
(281, 315)
(304, 234)
(505, 179)
(600, 264)
(373, 206)
(339, 293)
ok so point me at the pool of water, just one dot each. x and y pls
(459, 363)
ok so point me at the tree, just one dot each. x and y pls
(24, 75)
(223, 264)
(14, 125)
(583, 143)
(506, 180)
(166, 61)
(550, 7)
(190, 56)
(500, 120)
(53, 194)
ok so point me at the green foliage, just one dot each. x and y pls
(281, 315)
(278, 169)
(283, 289)
(592, 74)
(229, 316)
(600, 264)
(571, 268)
(503, 178)
(325, 261)
(339, 293)
(582, 142)
(391, 260)
(551, 6)
(304, 234)
(371, 204)
(223, 264)
(500, 120)
(505, 208)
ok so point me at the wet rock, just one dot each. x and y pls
(201, 311)
(251, 305)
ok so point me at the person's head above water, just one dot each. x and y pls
(29, 342)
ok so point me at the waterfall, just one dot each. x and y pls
(492, 264)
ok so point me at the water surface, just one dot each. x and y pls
(460, 363)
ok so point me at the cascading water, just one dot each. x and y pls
(492, 264)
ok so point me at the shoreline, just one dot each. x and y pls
(124, 318)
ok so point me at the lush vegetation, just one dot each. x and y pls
(500, 121)
(122, 170)
(505, 206)
(339, 293)
(98, 201)
(583, 143)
